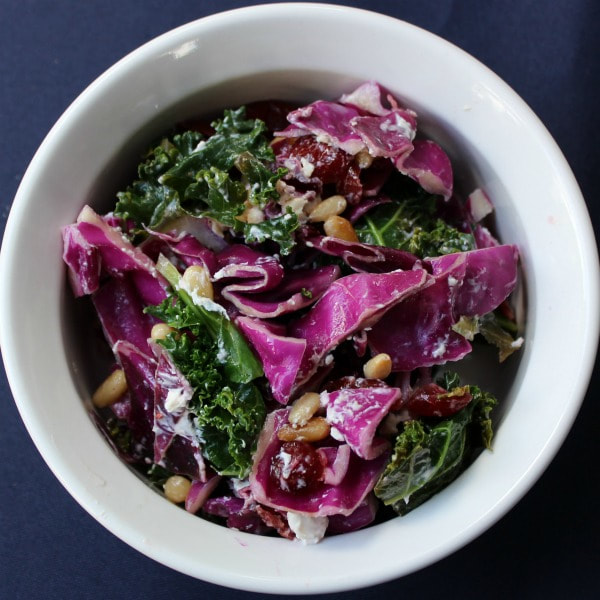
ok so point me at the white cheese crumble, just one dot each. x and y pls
(440, 349)
(401, 126)
(517, 343)
(176, 399)
(323, 138)
(336, 434)
(307, 167)
(309, 530)
(222, 354)
(286, 459)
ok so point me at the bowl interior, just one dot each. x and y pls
(495, 142)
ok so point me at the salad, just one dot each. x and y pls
(285, 292)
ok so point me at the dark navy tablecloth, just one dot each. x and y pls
(548, 546)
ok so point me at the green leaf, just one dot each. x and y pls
(280, 229)
(449, 380)
(493, 329)
(221, 198)
(428, 456)
(409, 223)
(234, 135)
(147, 201)
(158, 475)
(215, 178)
(468, 327)
(438, 239)
(228, 417)
(259, 179)
(420, 460)
(188, 174)
(120, 434)
(228, 426)
(494, 333)
(180, 311)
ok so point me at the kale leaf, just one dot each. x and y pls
(234, 135)
(147, 201)
(229, 425)
(218, 197)
(157, 475)
(216, 178)
(495, 329)
(429, 455)
(410, 223)
(260, 180)
(179, 311)
(280, 229)
(227, 416)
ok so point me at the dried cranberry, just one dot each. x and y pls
(431, 400)
(297, 467)
(351, 187)
(330, 163)
(276, 519)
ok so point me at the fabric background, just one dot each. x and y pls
(548, 546)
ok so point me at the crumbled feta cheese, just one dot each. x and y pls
(183, 427)
(517, 343)
(222, 354)
(309, 530)
(440, 349)
(307, 167)
(286, 459)
(323, 138)
(336, 434)
(401, 126)
(176, 399)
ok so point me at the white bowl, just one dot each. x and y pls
(249, 54)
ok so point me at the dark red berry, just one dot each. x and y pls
(431, 400)
(297, 467)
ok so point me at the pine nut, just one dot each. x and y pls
(341, 228)
(379, 367)
(254, 215)
(315, 430)
(332, 206)
(197, 280)
(251, 215)
(364, 160)
(177, 488)
(110, 390)
(160, 331)
(304, 408)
